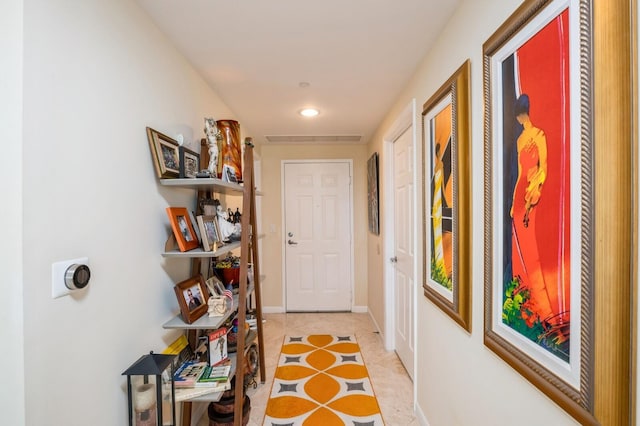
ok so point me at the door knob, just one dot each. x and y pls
(394, 259)
(291, 243)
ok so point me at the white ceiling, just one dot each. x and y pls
(357, 56)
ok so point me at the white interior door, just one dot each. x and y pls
(404, 255)
(317, 227)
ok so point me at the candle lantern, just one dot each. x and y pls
(150, 391)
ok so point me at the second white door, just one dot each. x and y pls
(404, 254)
(317, 219)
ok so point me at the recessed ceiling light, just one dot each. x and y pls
(309, 112)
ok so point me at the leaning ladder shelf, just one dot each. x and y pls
(248, 255)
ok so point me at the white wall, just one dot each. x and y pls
(11, 322)
(95, 74)
(460, 381)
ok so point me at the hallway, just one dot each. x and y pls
(391, 383)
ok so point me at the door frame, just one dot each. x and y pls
(349, 162)
(406, 119)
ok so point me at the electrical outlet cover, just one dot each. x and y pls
(58, 269)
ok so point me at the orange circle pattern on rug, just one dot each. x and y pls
(322, 380)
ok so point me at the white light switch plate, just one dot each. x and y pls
(58, 269)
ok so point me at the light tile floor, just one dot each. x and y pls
(391, 383)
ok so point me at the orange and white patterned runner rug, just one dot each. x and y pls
(321, 380)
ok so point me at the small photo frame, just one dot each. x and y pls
(229, 174)
(165, 152)
(210, 232)
(214, 285)
(182, 226)
(189, 162)
(192, 295)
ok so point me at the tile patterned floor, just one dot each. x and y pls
(391, 383)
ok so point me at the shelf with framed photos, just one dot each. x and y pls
(206, 322)
(248, 247)
(172, 251)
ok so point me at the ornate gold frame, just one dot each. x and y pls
(608, 101)
(459, 87)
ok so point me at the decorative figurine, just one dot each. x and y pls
(231, 149)
(217, 306)
(213, 136)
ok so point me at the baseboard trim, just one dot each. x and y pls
(422, 419)
(273, 310)
(375, 324)
(359, 309)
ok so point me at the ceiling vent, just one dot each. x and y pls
(314, 139)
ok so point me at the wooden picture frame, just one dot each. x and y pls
(373, 194)
(182, 227)
(593, 383)
(192, 295)
(165, 152)
(189, 162)
(446, 169)
(210, 232)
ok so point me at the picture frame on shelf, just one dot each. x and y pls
(446, 170)
(195, 228)
(538, 239)
(229, 174)
(210, 232)
(166, 154)
(373, 194)
(215, 286)
(182, 227)
(189, 162)
(192, 295)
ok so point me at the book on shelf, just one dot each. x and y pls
(218, 352)
(214, 375)
(181, 348)
(188, 373)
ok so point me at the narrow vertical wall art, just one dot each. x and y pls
(373, 194)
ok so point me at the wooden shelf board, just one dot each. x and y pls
(199, 252)
(204, 184)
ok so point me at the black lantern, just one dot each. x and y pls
(150, 391)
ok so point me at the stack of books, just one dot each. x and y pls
(194, 379)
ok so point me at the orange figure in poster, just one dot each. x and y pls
(532, 173)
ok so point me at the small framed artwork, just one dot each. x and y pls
(183, 229)
(372, 194)
(210, 232)
(165, 152)
(446, 169)
(192, 295)
(189, 162)
(229, 174)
